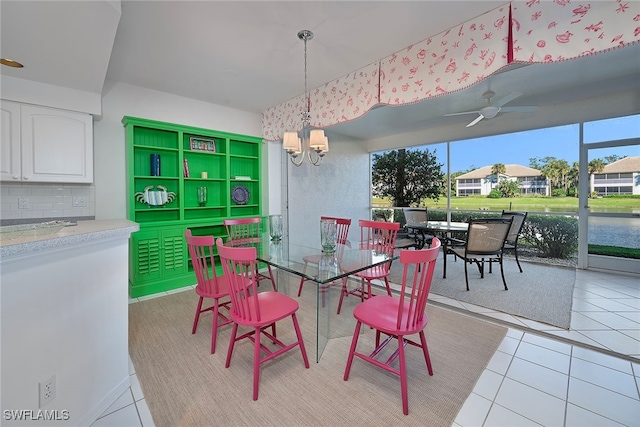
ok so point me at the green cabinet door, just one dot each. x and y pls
(158, 259)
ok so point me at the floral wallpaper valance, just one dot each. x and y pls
(520, 31)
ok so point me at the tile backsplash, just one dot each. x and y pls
(26, 201)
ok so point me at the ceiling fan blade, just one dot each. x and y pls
(462, 112)
(506, 99)
(523, 109)
(480, 117)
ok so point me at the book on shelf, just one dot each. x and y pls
(185, 169)
(241, 177)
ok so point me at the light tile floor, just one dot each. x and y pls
(540, 375)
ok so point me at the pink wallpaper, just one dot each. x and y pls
(550, 31)
(538, 31)
(447, 62)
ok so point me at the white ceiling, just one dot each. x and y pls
(246, 55)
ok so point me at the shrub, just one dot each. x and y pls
(509, 188)
(558, 192)
(551, 236)
(495, 194)
(398, 216)
(382, 213)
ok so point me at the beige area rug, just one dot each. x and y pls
(184, 385)
(543, 293)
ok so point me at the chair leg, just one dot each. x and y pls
(515, 252)
(214, 326)
(273, 281)
(386, 282)
(343, 292)
(352, 350)
(444, 260)
(197, 318)
(303, 349)
(502, 272)
(302, 279)
(466, 275)
(480, 267)
(403, 376)
(259, 276)
(232, 343)
(256, 363)
(425, 350)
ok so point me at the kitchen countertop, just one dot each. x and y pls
(84, 231)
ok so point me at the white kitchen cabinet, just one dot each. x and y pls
(42, 144)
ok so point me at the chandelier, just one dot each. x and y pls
(310, 143)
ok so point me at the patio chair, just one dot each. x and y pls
(417, 217)
(485, 242)
(511, 243)
(398, 317)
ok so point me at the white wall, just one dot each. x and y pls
(339, 187)
(64, 313)
(120, 100)
(276, 183)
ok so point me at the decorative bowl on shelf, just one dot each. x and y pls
(158, 197)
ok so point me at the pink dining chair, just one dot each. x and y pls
(399, 317)
(380, 237)
(258, 311)
(248, 229)
(343, 225)
(209, 284)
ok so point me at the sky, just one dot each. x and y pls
(561, 142)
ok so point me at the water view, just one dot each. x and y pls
(623, 232)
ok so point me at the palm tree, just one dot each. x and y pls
(498, 169)
(596, 166)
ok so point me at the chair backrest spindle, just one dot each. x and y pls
(422, 264)
(201, 251)
(343, 225)
(242, 228)
(238, 263)
(378, 236)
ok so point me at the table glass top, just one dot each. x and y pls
(291, 257)
(440, 225)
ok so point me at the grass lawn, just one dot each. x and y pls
(530, 204)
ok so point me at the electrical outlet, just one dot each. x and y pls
(79, 202)
(47, 391)
(24, 203)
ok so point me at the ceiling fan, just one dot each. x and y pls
(492, 109)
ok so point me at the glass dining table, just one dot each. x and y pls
(323, 278)
(442, 230)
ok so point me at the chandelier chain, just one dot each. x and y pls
(309, 143)
(306, 115)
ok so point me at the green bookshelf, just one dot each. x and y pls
(165, 205)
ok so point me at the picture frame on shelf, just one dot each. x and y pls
(201, 144)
